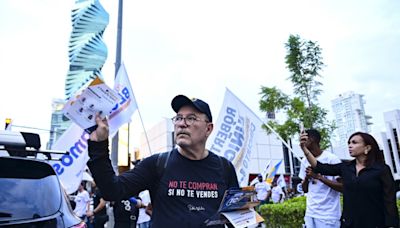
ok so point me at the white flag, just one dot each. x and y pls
(71, 167)
(122, 113)
(263, 173)
(281, 181)
(234, 135)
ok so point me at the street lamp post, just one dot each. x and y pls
(114, 145)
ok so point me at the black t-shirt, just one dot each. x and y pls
(96, 200)
(188, 193)
(125, 210)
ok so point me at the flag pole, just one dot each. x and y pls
(114, 145)
(144, 130)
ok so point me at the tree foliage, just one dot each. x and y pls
(304, 62)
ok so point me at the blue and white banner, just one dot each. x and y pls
(234, 134)
(123, 111)
(70, 168)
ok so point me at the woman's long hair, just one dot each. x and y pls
(375, 154)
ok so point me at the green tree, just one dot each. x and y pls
(304, 62)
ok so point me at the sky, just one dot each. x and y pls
(199, 48)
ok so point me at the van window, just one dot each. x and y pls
(29, 189)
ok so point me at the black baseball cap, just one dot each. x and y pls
(179, 101)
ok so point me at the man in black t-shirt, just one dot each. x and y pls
(99, 213)
(187, 186)
(126, 212)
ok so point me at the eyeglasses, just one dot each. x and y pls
(189, 120)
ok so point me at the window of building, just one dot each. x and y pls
(392, 156)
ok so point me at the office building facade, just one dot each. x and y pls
(350, 117)
(390, 141)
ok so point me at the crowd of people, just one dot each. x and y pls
(276, 192)
(89, 205)
(366, 182)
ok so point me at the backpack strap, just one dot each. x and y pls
(226, 168)
(162, 162)
(161, 165)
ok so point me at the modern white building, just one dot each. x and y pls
(350, 117)
(158, 139)
(267, 148)
(390, 141)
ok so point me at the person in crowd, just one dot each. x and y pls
(149, 210)
(290, 193)
(263, 190)
(323, 192)
(277, 194)
(126, 212)
(82, 202)
(186, 185)
(144, 218)
(99, 214)
(72, 201)
(369, 191)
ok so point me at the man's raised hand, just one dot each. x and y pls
(101, 133)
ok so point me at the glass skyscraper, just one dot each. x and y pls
(87, 51)
(87, 55)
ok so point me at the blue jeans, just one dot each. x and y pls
(144, 224)
(311, 222)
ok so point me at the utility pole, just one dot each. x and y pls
(114, 145)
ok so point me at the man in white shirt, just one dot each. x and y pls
(323, 192)
(82, 200)
(277, 194)
(263, 190)
(144, 219)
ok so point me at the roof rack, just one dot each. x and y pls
(24, 144)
